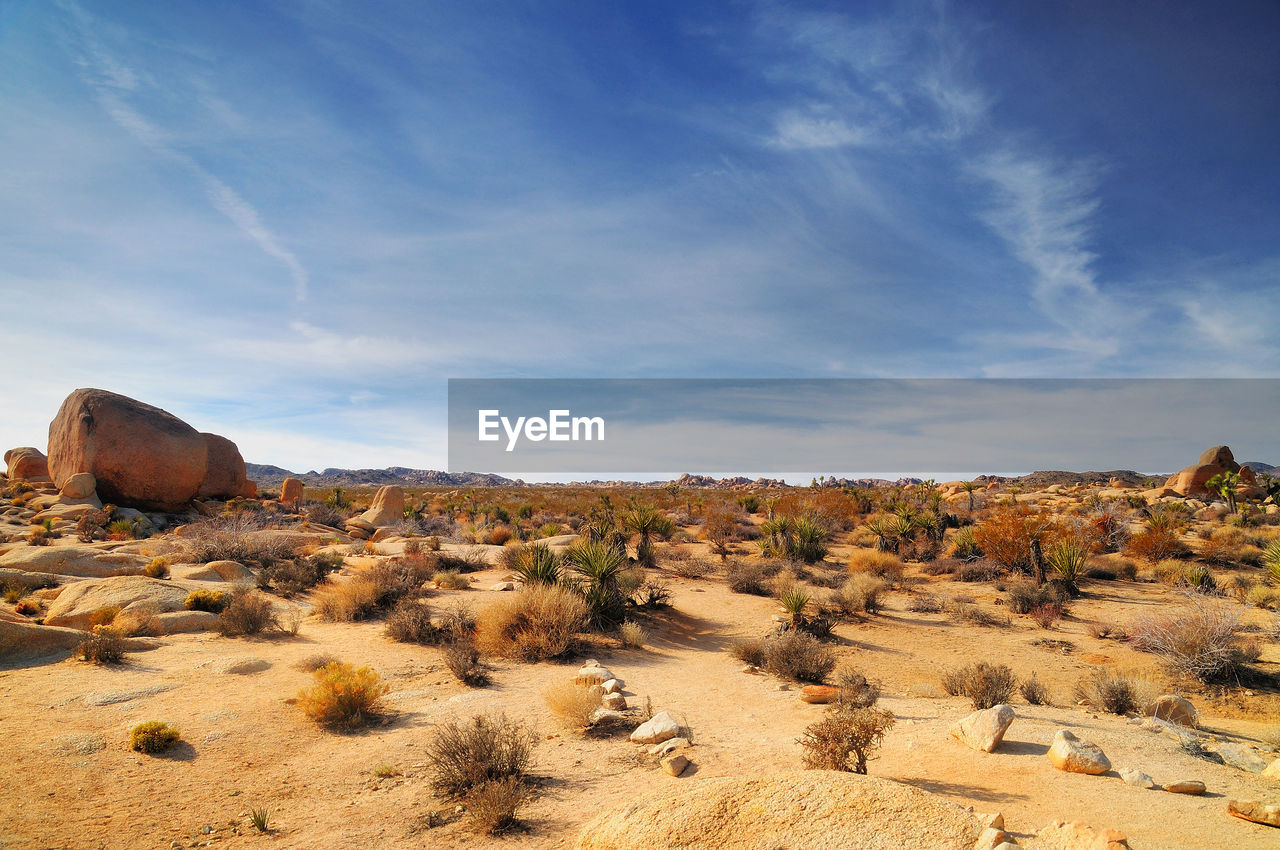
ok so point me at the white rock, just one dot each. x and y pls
(984, 730)
(616, 702)
(1136, 778)
(660, 727)
(613, 686)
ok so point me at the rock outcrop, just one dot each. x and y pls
(26, 463)
(21, 642)
(78, 602)
(291, 491)
(139, 455)
(814, 809)
(1191, 481)
(82, 561)
(387, 509)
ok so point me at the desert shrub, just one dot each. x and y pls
(974, 615)
(964, 546)
(572, 703)
(1034, 691)
(228, 538)
(1022, 596)
(158, 568)
(104, 645)
(1066, 560)
(450, 580)
(690, 568)
(633, 635)
(467, 561)
(1155, 544)
(344, 602)
(859, 595)
(1005, 535)
(1271, 562)
(499, 535)
(794, 600)
(26, 608)
(1201, 640)
(980, 570)
(883, 564)
(462, 756)
(1100, 574)
(1104, 630)
(39, 536)
(288, 576)
(104, 616)
(799, 656)
(314, 662)
(1261, 596)
(1199, 578)
(986, 685)
(535, 563)
(212, 601)
(925, 603)
(1046, 614)
(464, 662)
(343, 696)
(1112, 692)
(247, 613)
(532, 624)
(749, 651)
(492, 807)
(800, 538)
(855, 690)
(153, 736)
(651, 594)
(748, 577)
(322, 513)
(845, 739)
(410, 622)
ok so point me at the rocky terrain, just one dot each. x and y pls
(1061, 661)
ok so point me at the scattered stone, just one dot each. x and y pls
(819, 694)
(607, 717)
(800, 809)
(1077, 836)
(994, 821)
(1136, 778)
(613, 686)
(1251, 810)
(660, 727)
(503, 586)
(984, 730)
(1240, 757)
(1194, 787)
(82, 485)
(593, 676)
(100, 698)
(1172, 708)
(668, 746)
(991, 838)
(675, 764)
(752, 669)
(1073, 755)
(614, 701)
(1273, 770)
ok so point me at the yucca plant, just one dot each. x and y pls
(647, 522)
(1271, 560)
(1067, 560)
(776, 536)
(599, 566)
(537, 564)
(810, 541)
(886, 536)
(794, 601)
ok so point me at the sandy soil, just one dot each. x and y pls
(245, 744)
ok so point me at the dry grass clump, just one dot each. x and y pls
(749, 577)
(882, 564)
(463, 756)
(572, 703)
(344, 602)
(104, 645)
(212, 601)
(986, 685)
(1034, 691)
(972, 614)
(158, 568)
(464, 662)
(314, 662)
(1023, 595)
(246, 613)
(492, 808)
(794, 655)
(859, 595)
(532, 624)
(633, 635)
(450, 580)
(845, 739)
(153, 736)
(1201, 640)
(855, 690)
(1112, 692)
(343, 696)
(1156, 544)
(410, 622)
(228, 538)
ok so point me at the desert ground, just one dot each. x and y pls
(902, 607)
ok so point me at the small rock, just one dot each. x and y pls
(607, 717)
(593, 675)
(615, 702)
(1136, 778)
(751, 669)
(991, 838)
(1252, 810)
(504, 585)
(668, 746)
(675, 764)
(1242, 758)
(994, 821)
(1273, 770)
(1077, 835)
(1073, 755)
(613, 686)
(1172, 708)
(819, 694)
(657, 729)
(984, 730)
(1193, 787)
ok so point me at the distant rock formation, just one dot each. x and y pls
(139, 455)
(1191, 480)
(27, 463)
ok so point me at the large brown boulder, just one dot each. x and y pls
(225, 476)
(1191, 481)
(27, 463)
(814, 809)
(387, 509)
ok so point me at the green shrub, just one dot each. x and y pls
(153, 736)
(535, 563)
(212, 601)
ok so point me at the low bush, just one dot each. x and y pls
(410, 622)
(104, 645)
(1022, 595)
(1112, 692)
(798, 656)
(749, 577)
(926, 603)
(986, 685)
(463, 756)
(883, 564)
(465, 561)
(233, 538)
(347, 601)
(153, 736)
(492, 808)
(974, 615)
(343, 696)
(450, 580)
(158, 568)
(855, 690)
(1034, 691)
(247, 613)
(535, 563)
(1046, 614)
(845, 739)
(1201, 640)
(464, 662)
(532, 624)
(964, 546)
(633, 635)
(859, 595)
(572, 703)
(212, 601)
(1155, 544)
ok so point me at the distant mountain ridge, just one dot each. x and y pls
(266, 474)
(1259, 467)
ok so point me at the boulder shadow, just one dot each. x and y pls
(1021, 748)
(956, 789)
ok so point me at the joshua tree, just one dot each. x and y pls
(969, 487)
(647, 522)
(1224, 484)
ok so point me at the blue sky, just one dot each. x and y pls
(290, 223)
